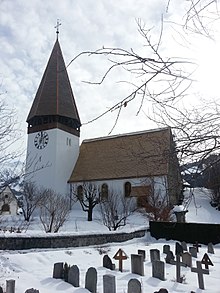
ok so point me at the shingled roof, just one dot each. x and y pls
(54, 96)
(125, 156)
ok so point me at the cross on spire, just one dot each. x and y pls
(57, 27)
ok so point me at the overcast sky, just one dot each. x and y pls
(27, 35)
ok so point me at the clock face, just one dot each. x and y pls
(41, 139)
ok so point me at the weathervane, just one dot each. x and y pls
(57, 27)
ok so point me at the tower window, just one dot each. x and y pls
(80, 192)
(127, 189)
(104, 192)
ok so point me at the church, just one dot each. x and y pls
(133, 164)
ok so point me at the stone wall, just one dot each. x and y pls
(59, 241)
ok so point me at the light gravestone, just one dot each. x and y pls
(154, 255)
(58, 270)
(210, 248)
(158, 270)
(166, 248)
(10, 286)
(137, 264)
(91, 280)
(200, 273)
(109, 285)
(107, 263)
(73, 276)
(143, 253)
(187, 259)
(193, 251)
(134, 286)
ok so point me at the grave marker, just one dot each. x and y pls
(107, 262)
(184, 246)
(197, 245)
(154, 255)
(166, 248)
(210, 248)
(143, 253)
(162, 290)
(200, 273)
(91, 280)
(109, 285)
(170, 258)
(187, 259)
(206, 261)
(73, 276)
(32, 290)
(158, 270)
(120, 256)
(58, 270)
(10, 286)
(193, 251)
(137, 264)
(179, 251)
(134, 286)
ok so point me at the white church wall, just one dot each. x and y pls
(51, 166)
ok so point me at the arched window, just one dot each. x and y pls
(127, 189)
(104, 192)
(5, 208)
(80, 192)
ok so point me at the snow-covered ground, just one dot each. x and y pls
(33, 268)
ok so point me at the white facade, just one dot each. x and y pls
(8, 203)
(50, 165)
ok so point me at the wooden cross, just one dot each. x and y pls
(197, 245)
(206, 261)
(57, 26)
(120, 256)
(200, 271)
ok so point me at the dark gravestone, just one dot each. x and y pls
(73, 276)
(206, 261)
(197, 245)
(134, 286)
(187, 259)
(178, 249)
(162, 290)
(158, 270)
(109, 285)
(1, 290)
(179, 252)
(107, 263)
(170, 258)
(210, 248)
(10, 286)
(200, 273)
(137, 264)
(154, 255)
(91, 280)
(193, 251)
(166, 248)
(184, 246)
(32, 290)
(58, 270)
(143, 253)
(66, 268)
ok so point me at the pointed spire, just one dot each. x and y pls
(54, 101)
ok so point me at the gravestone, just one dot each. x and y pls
(158, 270)
(200, 273)
(137, 264)
(10, 286)
(107, 262)
(1, 290)
(154, 255)
(210, 248)
(166, 248)
(206, 261)
(58, 270)
(162, 290)
(91, 280)
(32, 290)
(134, 286)
(178, 249)
(184, 246)
(120, 256)
(143, 253)
(187, 259)
(179, 252)
(193, 251)
(197, 245)
(66, 268)
(73, 276)
(109, 285)
(170, 258)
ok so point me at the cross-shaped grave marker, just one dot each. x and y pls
(197, 245)
(206, 261)
(120, 256)
(200, 271)
(178, 252)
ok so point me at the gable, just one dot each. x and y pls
(126, 156)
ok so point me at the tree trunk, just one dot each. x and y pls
(89, 215)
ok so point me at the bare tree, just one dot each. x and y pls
(32, 198)
(54, 209)
(88, 195)
(116, 209)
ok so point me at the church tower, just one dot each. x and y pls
(53, 128)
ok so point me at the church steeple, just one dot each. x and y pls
(54, 105)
